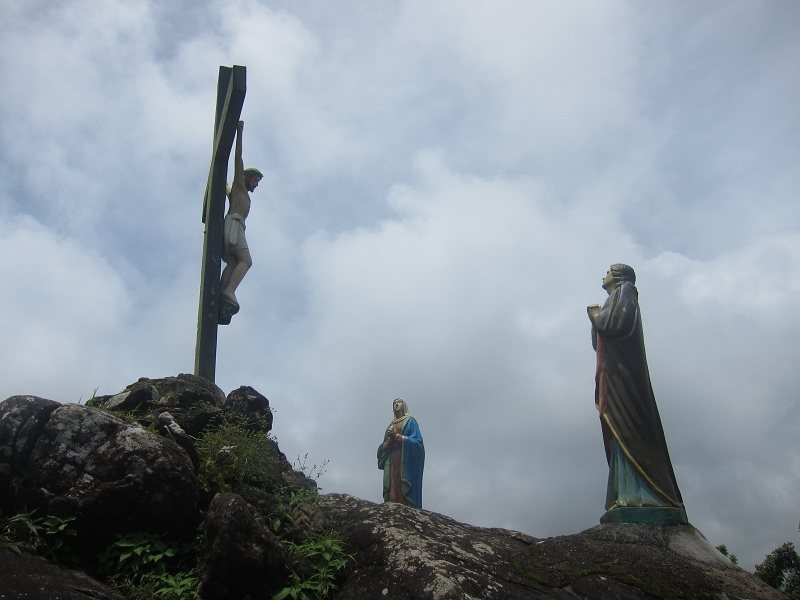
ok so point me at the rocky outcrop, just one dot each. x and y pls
(242, 556)
(634, 561)
(110, 474)
(248, 403)
(408, 554)
(130, 462)
(24, 575)
(192, 401)
(22, 419)
(404, 553)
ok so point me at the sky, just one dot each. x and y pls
(445, 185)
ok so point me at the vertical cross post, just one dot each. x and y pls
(231, 89)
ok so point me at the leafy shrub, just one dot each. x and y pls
(724, 551)
(146, 567)
(48, 535)
(313, 472)
(326, 554)
(232, 455)
(282, 520)
(781, 570)
(134, 554)
(182, 585)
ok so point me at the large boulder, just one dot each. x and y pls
(128, 463)
(243, 558)
(112, 475)
(117, 476)
(22, 419)
(627, 560)
(193, 402)
(404, 554)
(251, 406)
(24, 575)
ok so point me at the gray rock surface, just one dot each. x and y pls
(22, 419)
(192, 401)
(168, 427)
(242, 556)
(116, 476)
(110, 474)
(250, 404)
(29, 577)
(405, 554)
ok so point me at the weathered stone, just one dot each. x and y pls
(169, 428)
(403, 553)
(117, 477)
(243, 557)
(406, 553)
(192, 401)
(648, 561)
(251, 406)
(138, 398)
(111, 475)
(295, 479)
(265, 502)
(185, 390)
(279, 473)
(309, 517)
(23, 575)
(22, 419)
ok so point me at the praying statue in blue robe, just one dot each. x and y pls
(641, 483)
(401, 456)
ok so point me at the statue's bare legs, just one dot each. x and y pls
(238, 262)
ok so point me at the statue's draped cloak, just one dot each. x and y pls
(624, 395)
(404, 464)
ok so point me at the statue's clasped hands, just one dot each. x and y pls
(392, 439)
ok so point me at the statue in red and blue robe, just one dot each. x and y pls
(401, 456)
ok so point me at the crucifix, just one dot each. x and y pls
(214, 309)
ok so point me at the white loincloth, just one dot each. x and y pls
(234, 232)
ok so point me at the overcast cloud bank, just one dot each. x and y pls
(445, 188)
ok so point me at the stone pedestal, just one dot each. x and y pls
(646, 515)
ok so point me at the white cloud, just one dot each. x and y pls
(61, 305)
(445, 186)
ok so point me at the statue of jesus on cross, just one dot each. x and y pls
(223, 237)
(235, 252)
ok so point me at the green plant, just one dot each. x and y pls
(90, 398)
(724, 551)
(781, 570)
(146, 567)
(232, 455)
(19, 532)
(134, 554)
(326, 554)
(304, 495)
(182, 585)
(313, 472)
(57, 531)
(279, 520)
(48, 535)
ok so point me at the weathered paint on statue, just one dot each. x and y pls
(401, 456)
(641, 483)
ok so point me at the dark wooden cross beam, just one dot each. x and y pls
(231, 88)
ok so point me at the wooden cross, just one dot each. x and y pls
(231, 88)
